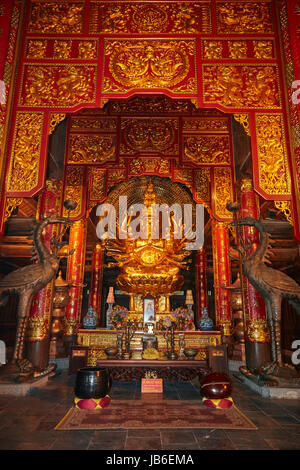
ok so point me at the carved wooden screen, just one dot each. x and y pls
(218, 54)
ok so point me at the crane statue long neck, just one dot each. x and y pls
(42, 252)
(261, 253)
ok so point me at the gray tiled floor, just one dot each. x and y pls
(28, 422)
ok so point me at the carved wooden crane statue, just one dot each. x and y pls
(26, 282)
(274, 286)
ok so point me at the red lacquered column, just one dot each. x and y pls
(201, 284)
(222, 276)
(96, 281)
(257, 335)
(75, 277)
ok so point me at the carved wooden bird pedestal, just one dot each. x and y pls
(274, 286)
(26, 282)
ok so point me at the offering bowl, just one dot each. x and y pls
(111, 352)
(190, 353)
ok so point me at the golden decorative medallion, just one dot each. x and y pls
(237, 49)
(149, 18)
(212, 49)
(263, 49)
(36, 49)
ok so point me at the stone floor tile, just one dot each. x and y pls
(177, 437)
(108, 439)
(193, 446)
(145, 432)
(282, 444)
(143, 443)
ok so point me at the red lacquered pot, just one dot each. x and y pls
(216, 385)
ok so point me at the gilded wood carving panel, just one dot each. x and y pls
(149, 136)
(150, 17)
(57, 85)
(91, 148)
(273, 169)
(56, 17)
(206, 149)
(96, 185)
(75, 189)
(223, 191)
(62, 48)
(218, 48)
(244, 17)
(149, 64)
(23, 172)
(241, 86)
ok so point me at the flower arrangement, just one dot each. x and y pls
(183, 317)
(118, 315)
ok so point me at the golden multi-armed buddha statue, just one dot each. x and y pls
(150, 265)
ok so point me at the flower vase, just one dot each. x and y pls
(205, 322)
